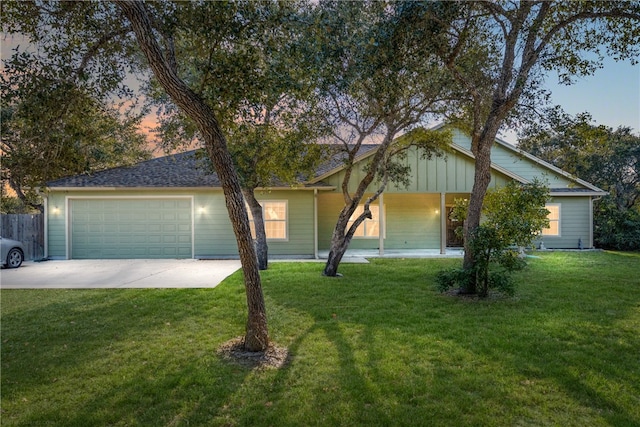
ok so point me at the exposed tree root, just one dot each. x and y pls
(272, 357)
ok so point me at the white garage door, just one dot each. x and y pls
(131, 228)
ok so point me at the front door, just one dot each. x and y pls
(453, 241)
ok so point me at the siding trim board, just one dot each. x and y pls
(319, 186)
(45, 205)
(577, 194)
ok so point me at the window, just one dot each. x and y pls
(554, 220)
(370, 227)
(275, 220)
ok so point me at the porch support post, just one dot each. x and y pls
(45, 224)
(315, 223)
(381, 224)
(443, 224)
(590, 222)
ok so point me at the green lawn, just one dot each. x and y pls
(379, 346)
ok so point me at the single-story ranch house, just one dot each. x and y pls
(169, 208)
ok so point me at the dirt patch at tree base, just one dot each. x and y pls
(234, 351)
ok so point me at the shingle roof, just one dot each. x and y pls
(182, 170)
(339, 156)
(188, 170)
(175, 170)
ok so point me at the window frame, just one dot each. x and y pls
(358, 212)
(263, 203)
(557, 220)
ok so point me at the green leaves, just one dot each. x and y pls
(513, 216)
(603, 156)
(516, 211)
(66, 107)
(243, 59)
(56, 131)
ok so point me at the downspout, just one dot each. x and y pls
(45, 205)
(315, 223)
(381, 223)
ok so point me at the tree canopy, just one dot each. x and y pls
(375, 83)
(96, 45)
(267, 109)
(500, 52)
(64, 112)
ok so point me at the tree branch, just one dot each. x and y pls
(93, 50)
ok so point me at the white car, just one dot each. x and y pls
(11, 253)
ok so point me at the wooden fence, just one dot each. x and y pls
(28, 229)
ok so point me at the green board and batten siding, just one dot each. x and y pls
(97, 230)
(412, 214)
(215, 237)
(412, 221)
(452, 173)
(193, 222)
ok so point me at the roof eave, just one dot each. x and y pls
(217, 188)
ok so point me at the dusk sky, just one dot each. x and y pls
(611, 95)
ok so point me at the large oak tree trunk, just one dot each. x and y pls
(481, 147)
(256, 338)
(339, 245)
(341, 237)
(262, 249)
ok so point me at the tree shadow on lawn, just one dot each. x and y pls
(362, 352)
(102, 357)
(527, 355)
(334, 394)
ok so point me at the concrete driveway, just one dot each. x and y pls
(138, 273)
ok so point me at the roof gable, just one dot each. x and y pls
(526, 165)
(507, 160)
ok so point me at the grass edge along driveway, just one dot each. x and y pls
(379, 346)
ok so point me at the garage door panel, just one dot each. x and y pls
(156, 252)
(169, 240)
(139, 228)
(123, 228)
